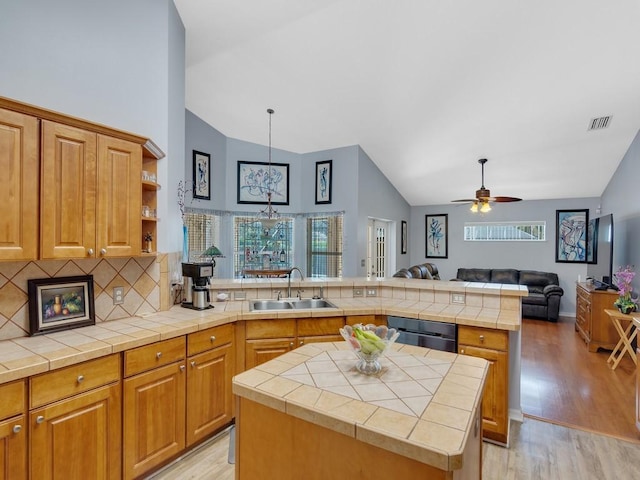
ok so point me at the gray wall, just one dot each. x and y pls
(119, 63)
(519, 255)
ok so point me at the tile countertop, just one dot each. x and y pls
(26, 356)
(421, 405)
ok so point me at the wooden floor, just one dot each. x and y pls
(563, 382)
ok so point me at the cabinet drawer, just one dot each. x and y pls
(13, 399)
(152, 356)
(320, 326)
(483, 337)
(271, 328)
(210, 338)
(53, 386)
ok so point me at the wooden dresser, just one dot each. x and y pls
(593, 325)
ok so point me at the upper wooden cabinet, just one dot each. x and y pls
(71, 187)
(19, 177)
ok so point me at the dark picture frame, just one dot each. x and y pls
(61, 303)
(572, 236)
(324, 174)
(257, 179)
(437, 235)
(403, 237)
(201, 175)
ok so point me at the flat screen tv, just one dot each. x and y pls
(600, 252)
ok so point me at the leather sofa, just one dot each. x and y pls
(424, 271)
(544, 288)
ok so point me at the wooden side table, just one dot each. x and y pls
(627, 335)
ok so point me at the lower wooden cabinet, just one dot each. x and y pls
(593, 325)
(493, 346)
(13, 431)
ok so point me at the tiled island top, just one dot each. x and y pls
(421, 405)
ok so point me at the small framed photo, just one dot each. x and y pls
(437, 235)
(572, 236)
(403, 237)
(201, 175)
(323, 181)
(257, 179)
(62, 303)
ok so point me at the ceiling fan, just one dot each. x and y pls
(483, 196)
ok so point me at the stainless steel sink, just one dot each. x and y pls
(289, 304)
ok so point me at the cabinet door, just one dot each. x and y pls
(262, 350)
(19, 177)
(495, 400)
(119, 200)
(209, 396)
(68, 192)
(13, 449)
(154, 418)
(78, 437)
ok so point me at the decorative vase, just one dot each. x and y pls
(148, 250)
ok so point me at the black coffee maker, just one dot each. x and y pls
(196, 285)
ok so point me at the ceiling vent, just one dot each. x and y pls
(599, 123)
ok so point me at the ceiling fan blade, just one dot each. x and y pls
(465, 200)
(505, 199)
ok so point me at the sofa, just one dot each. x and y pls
(544, 288)
(424, 271)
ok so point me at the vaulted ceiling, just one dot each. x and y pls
(427, 87)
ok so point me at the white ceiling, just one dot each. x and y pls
(427, 87)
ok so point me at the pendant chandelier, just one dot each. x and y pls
(269, 216)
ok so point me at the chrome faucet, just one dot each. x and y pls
(289, 281)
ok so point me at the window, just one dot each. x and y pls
(258, 248)
(324, 246)
(505, 231)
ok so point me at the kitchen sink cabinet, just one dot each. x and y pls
(211, 366)
(493, 346)
(13, 431)
(91, 185)
(75, 421)
(153, 405)
(366, 319)
(19, 177)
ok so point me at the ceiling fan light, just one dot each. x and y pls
(485, 207)
(474, 207)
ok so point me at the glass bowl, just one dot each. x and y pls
(368, 342)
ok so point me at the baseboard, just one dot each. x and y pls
(516, 415)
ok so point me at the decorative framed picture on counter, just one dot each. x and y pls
(323, 181)
(571, 236)
(61, 303)
(257, 179)
(201, 175)
(437, 235)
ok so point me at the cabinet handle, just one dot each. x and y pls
(103, 251)
(481, 338)
(212, 338)
(182, 368)
(80, 378)
(17, 428)
(301, 342)
(291, 344)
(39, 419)
(462, 350)
(158, 355)
(90, 251)
(193, 363)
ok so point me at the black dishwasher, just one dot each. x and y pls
(426, 333)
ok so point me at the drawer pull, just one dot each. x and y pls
(291, 344)
(193, 363)
(158, 355)
(462, 351)
(182, 368)
(301, 342)
(17, 428)
(482, 338)
(213, 338)
(80, 378)
(39, 419)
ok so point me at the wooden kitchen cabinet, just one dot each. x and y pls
(75, 421)
(593, 325)
(13, 431)
(493, 346)
(153, 405)
(314, 329)
(91, 185)
(211, 366)
(20, 180)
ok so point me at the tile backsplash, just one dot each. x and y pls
(140, 276)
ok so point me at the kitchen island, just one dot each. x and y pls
(309, 414)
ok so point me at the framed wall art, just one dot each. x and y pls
(60, 303)
(403, 237)
(572, 236)
(257, 179)
(437, 236)
(201, 175)
(323, 181)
